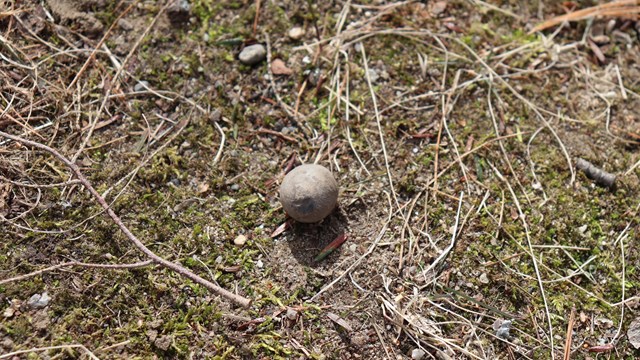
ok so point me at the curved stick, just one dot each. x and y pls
(242, 301)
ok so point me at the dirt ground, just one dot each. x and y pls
(453, 130)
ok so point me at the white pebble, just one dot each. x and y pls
(252, 54)
(240, 240)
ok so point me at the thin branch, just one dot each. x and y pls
(244, 302)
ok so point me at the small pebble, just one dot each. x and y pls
(292, 314)
(253, 54)
(502, 328)
(259, 264)
(484, 278)
(39, 301)
(296, 33)
(240, 240)
(125, 25)
(417, 354)
(235, 187)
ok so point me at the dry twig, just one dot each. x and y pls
(244, 302)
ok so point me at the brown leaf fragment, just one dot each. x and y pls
(596, 51)
(340, 321)
(282, 228)
(278, 67)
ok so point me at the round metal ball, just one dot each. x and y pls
(309, 193)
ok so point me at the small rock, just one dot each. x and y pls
(583, 229)
(141, 86)
(292, 314)
(235, 187)
(484, 278)
(353, 248)
(417, 354)
(125, 25)
(240, 240)
(502, 328)
(278, 67)
(259, 264)
(296, 33)
(38, 301)
(373, 75)
(252, 54)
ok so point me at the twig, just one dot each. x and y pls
(244, 302)
(257, 17)
(567, 344)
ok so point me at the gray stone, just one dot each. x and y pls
(253, 54)
(296, 33)
(39, 301)
(291, 314)
(417, 354)
(240, 240)
(309, 193)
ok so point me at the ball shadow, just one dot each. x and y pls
(307, 240)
